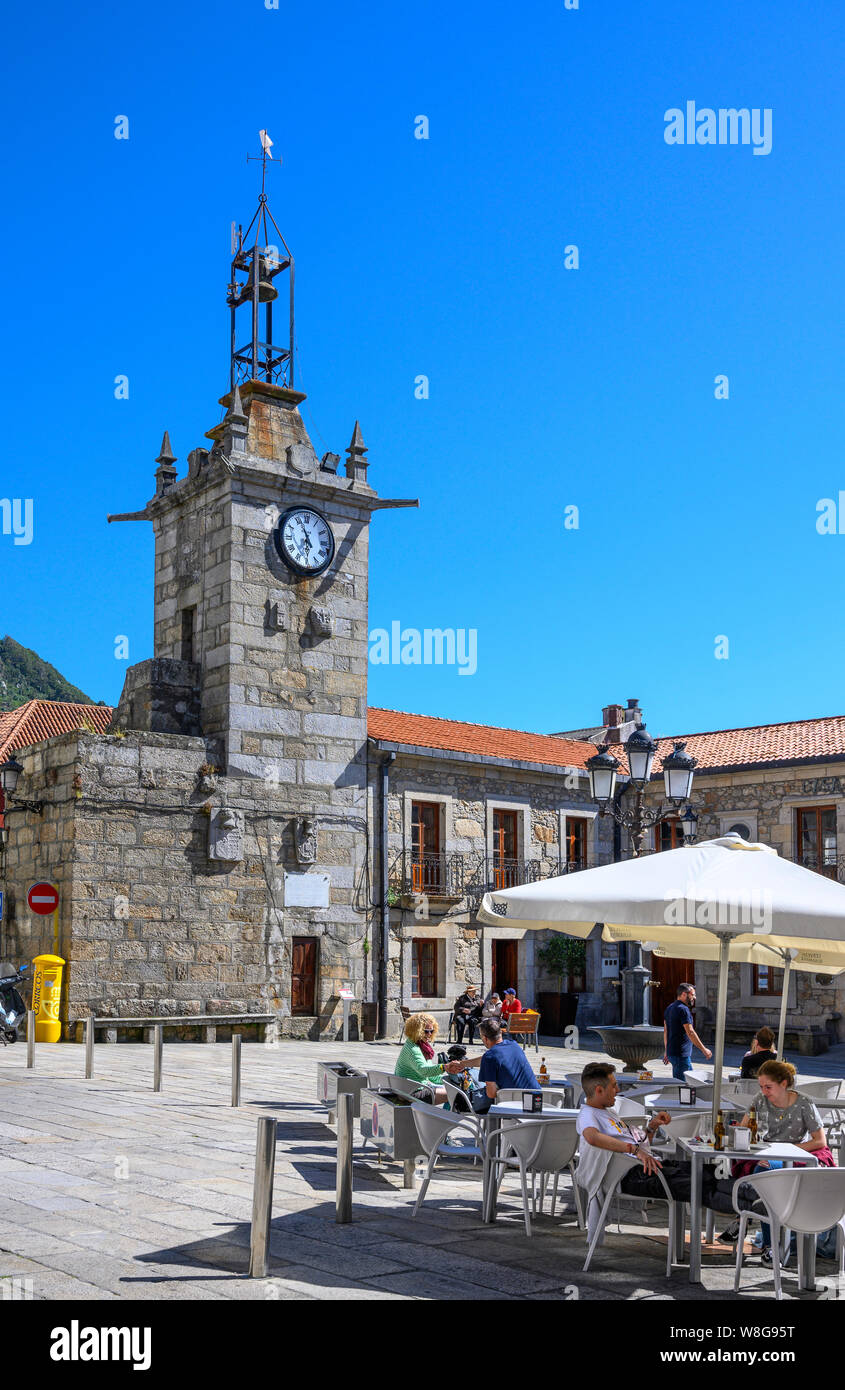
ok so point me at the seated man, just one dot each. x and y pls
(503, 1064)
(466, 1013)
(510, 1005)
(603, 1133)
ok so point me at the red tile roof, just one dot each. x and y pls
(796, 741)
(426, 731)
(41, 719)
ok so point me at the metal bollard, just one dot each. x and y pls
(343, 1196)
(30, 1038)
(262, 1198)
(158, 1044)
(236, 1068)
(89, 1047)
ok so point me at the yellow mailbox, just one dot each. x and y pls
(46, 993)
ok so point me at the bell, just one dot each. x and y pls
(266, 289)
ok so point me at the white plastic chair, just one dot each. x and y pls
(619, 1165)
(630, 1110)
(404, 1086)
(685, 1126)
(433, 1124)
(701, 1083)
(552, 1100)
(574, 1079)
(821, 1090)
(537, 1149)
(459, 1101)
(378, 1080)
(746, 1092)
(804, 1200)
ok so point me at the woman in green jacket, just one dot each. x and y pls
(416, 1059)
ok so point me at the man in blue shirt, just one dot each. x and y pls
(679, 1034)
(504, 1063)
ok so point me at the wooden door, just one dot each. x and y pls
(505, 865)
(304, 975)
(577, 831)
(425, 845)
(505, 966)
(670, 974)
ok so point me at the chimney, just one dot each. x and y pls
(634, 713)
(612, 715)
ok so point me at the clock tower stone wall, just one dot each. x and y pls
(252, 714)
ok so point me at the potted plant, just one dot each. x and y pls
(565, 958)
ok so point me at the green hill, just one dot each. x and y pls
(24, 676)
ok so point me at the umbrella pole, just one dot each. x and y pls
(721, 1010)
(787, 966)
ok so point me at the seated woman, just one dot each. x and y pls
(492, 1009)
(416, 1060)
(761, 1051)
(783, 1117)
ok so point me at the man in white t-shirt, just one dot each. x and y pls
(604, 1133)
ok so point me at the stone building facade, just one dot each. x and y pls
(782, 785)
(462, 820)
(245, 835)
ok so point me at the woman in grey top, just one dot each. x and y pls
(783, 1117)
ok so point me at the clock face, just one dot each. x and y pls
(304, 540)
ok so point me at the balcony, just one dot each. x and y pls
(431, 875)
(829, 863)
(461, 875)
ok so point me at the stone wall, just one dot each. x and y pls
(150, 924)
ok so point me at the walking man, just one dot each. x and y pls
(679, 1036)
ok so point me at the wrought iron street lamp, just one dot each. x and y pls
(10, 772)
(640, 750)
(678, 769)
(689, 824)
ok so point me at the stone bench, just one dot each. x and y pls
(209, 1024)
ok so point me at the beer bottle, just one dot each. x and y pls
(543, 1077)
(719, 1133)
(752, 1124)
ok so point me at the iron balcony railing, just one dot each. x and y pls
(443, 875)
(829, 863)
(467, 875)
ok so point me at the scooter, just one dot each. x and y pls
(12, 1007)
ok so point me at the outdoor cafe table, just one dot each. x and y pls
(492, 1121)
(675, 1107)
(699, 1154)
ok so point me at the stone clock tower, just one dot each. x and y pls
(261, 572)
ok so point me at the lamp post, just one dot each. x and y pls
(10, 772)
(678, 768)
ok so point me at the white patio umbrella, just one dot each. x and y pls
(718, 891)
(819, 958)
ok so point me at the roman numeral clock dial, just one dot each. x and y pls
(304, 540)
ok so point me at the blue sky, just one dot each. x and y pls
(445, 257)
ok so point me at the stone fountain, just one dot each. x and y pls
(633, 1044)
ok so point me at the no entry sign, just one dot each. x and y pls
(42, 899)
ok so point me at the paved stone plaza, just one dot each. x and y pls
(109, 1191)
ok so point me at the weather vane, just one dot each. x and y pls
(265, 157)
